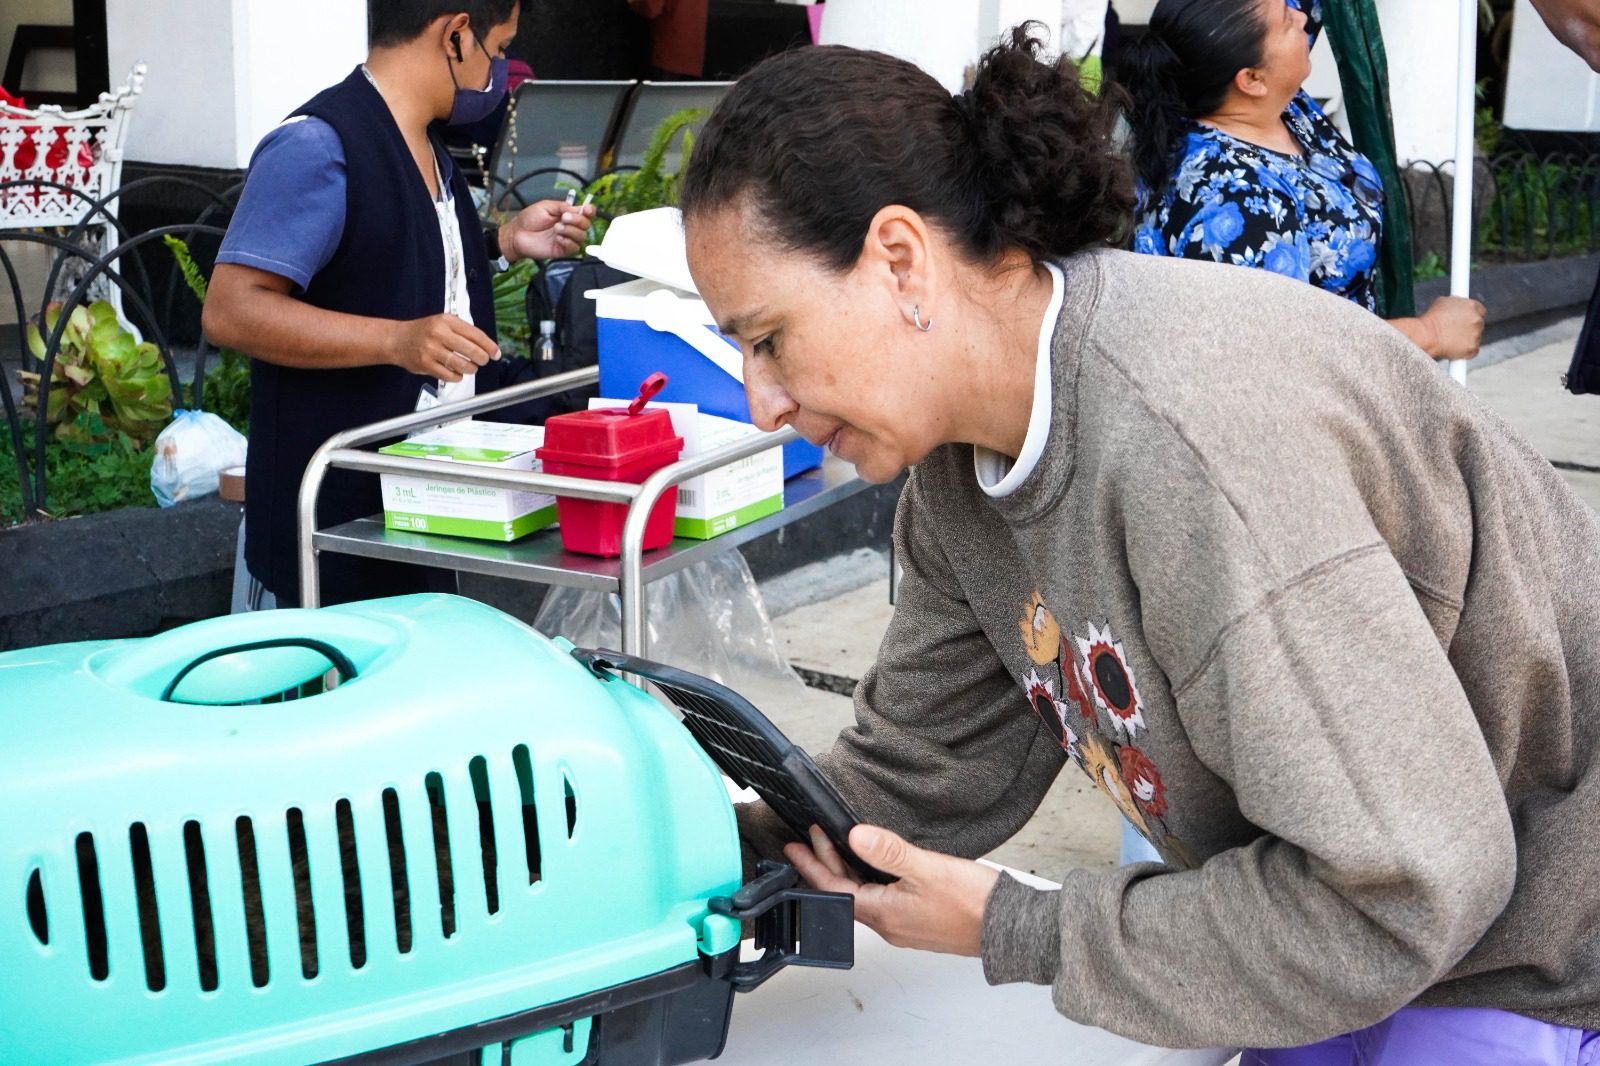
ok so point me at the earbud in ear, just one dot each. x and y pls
(455, 42)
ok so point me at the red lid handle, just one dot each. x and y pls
(647, 391)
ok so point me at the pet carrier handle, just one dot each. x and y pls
(752, 751)
(794, 926)
(341, 662)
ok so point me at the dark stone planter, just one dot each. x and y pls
(123, 573)
(1513, 291)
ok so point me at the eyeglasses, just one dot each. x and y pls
(1366, 190)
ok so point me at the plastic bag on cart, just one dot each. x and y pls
(708, 618)
(190, 453)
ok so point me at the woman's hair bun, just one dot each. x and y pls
(1043, 151)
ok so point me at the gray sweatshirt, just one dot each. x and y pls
(1320, 624)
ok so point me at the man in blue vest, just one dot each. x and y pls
(356, 275)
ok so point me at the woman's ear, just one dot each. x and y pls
(898, 254)
(1251, 81)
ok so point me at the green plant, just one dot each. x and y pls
(622, 191)
(1486, 128)
(94, 469)
(227, 385)
(100, 370)
(511, 308)
(1540, 208)
(616, 193)
(1428, 267)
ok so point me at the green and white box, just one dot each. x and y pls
(729, 496)
(421, 504)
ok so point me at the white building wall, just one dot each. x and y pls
(1419, 36)
(222, 74)
(1547, 86)
(943, 39)
(285, 52)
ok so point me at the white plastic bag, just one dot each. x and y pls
(190, 453)
(708, 618)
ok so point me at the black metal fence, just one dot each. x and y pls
(1527, 206)
(94, 260)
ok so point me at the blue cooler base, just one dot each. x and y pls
(632, 351)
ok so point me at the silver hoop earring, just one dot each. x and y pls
(916, 317)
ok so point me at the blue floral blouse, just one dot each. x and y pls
(1317, 217)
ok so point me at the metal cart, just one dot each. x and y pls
(540, 558)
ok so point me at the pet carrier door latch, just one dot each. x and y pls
(793, 926)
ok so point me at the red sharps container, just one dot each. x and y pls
(612, 444)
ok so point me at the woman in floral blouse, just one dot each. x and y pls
(1237, 164)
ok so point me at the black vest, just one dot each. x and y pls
(389, 264)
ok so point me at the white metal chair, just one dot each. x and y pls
(40, 187)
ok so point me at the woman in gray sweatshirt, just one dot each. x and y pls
(1321, 626)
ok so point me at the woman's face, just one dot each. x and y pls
(1286, 50)
(828, 353)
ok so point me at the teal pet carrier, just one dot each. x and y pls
(402, 831)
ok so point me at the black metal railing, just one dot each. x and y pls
(81, 270)
(1526, 206)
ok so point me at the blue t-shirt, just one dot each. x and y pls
(291, 213)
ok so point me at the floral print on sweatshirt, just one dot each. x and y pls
(1085, 692)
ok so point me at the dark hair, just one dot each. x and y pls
(822, 138)
(1179, 70)
(396, 22)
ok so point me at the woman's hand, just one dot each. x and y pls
(1455, 325)
(548, 229)
(937, 905)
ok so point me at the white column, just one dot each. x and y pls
(1001, 15)
(222, 74)
(1419, 37)
(287, 51)
(941, 38)
(946, 38)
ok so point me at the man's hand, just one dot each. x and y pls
(937, 905)
(441, 346)
(548, 229)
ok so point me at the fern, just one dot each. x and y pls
(620, 192)
(186, 264)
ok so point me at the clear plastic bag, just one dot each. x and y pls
(194, 448)
(708, 618)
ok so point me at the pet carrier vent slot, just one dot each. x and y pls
(94, 908)
(399, 882)
(572, 805)
(255, 918)
(205, 938)
(354, 916)
(305, 914)
(478, 770)
(530, 822)
(38, 917)
(441, 853)
(144, 890)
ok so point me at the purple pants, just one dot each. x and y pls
(1444, 1036)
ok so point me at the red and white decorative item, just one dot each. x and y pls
(81, 150)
